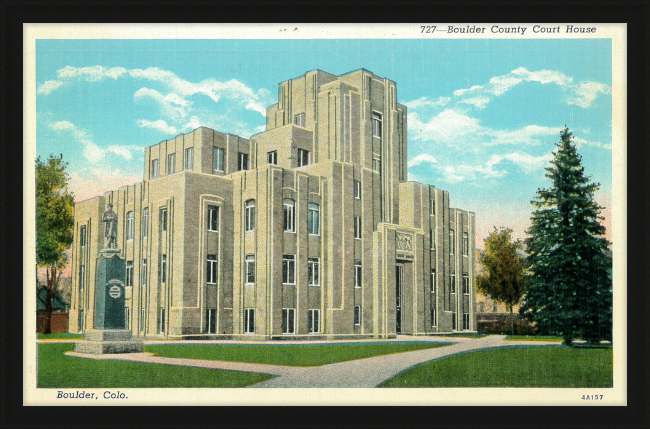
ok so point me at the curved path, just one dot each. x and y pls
(368, 372)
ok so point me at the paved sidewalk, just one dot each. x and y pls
(368, 372)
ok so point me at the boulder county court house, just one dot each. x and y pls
(309, 228)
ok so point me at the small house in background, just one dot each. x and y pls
(59, 321)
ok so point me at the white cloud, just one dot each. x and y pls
(579, 142)
(585, 94)
(92, 182)
(500, 84)
(420, 159)
(529, 135)
(93, 73)
(171, 105)
(479, 102)
(448, 126)
(425, 102)
(460, 92)
(159, 125)
(91, 151)
(543, 76)
(48, 86)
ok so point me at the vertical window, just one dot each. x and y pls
(466, 321)
(313, 219)
(376, 163)
(162, 268)
(289, 269)
(145, 222)
(453, 321)
(249, 216)
(289, 215)
(81, 320)
(249, 269)
(155, 169)
(452, 283)
(242, 161)
(143, 273)
(313, 271)
(211, 320)
(82, 276)
(357, 189)
(433, 281)
(211, 274)
(129, 273)
(127, 317)
(272, 157)
(465, 285)
(130, 225)
(357, 315)
(303, 157)
(376, 124)
(432, 207)
(299, 120)
(288, 320)
(217, 159)
(357, 274)
(452, 242)
(213, 218)
(432, 237)
(433, 314)
(143, 319)
(313, 320)
(189, 158)
(249, 320)
(163, 219)
(357, 227)
(171, 163)
(161, 320)
(465, 244)
(82, 237)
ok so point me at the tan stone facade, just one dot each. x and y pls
(307, 229)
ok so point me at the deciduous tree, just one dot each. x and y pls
(503, 270)
(54, 224)
(570, 288)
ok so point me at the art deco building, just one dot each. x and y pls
(307, 229)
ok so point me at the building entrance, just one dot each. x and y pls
(399, 280)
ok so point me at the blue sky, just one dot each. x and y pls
(484, 115)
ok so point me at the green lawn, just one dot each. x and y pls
(523, 367)
(60, 336)
(293, 355)
(58, 370)
(534, 338)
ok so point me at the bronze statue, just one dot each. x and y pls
(110, 219)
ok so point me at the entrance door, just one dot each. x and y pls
(399, 279)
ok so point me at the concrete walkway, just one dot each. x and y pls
(368, 372)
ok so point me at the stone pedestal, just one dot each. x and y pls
(108, 341)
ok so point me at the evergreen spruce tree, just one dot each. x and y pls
(570, 284)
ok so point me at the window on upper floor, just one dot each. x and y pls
(299, 120)
(144, 228)
(433, 281)
(155, 169)
(272, 157)
(432, 207)
(82, 236)
(452, 283)
(171, 163)
(465, 285)
(249, 216)
(465, 244)
(358, 273)
(217, 159)
(129, 273)
(213, 218)
(452, 242)
(163, 219)
(249, 269)
(357, 315)
(313, 271)
(289, 207)
(130, 225)
(432, 237)
(162, 268)
(313, 219)
(289, 269)
(143, 273)
(376, 163)
(303, 157)
(211, 269)
(357, 189)
(376, 124)
(189, 158)
(242, 161)
(357, 227)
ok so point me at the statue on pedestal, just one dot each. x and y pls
(110, 219)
